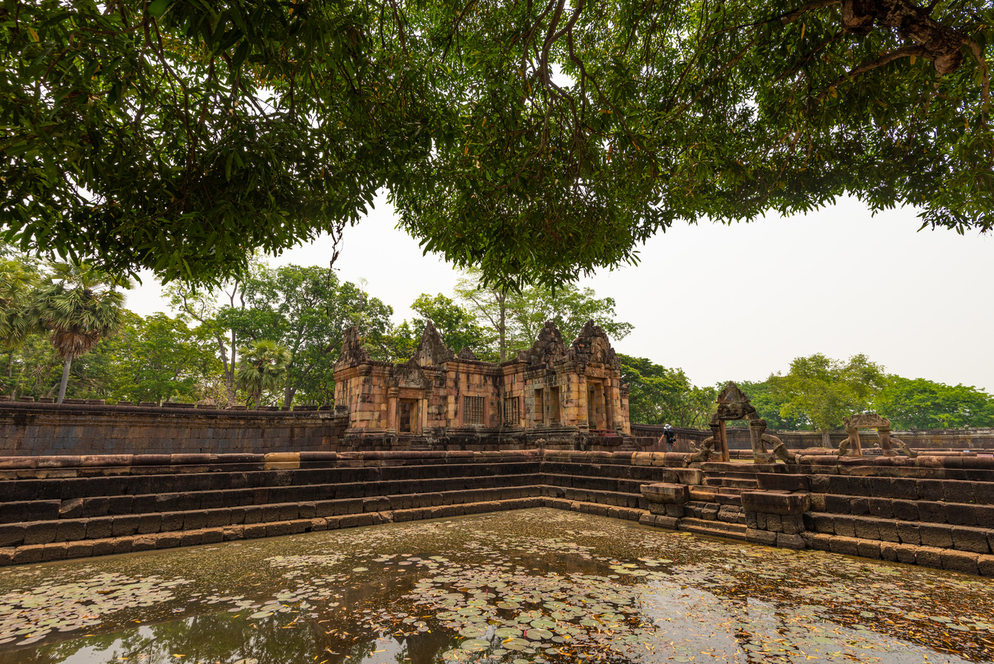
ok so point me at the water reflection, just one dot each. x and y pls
(529, 586)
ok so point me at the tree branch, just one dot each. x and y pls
(800, 11)
(886, 58)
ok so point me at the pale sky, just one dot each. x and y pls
(740, 302)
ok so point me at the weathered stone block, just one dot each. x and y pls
(823, 523)
(866, 529)
(774, 523)
(983, 493)
(985, 565)
(783, 482)
(882, 508)
(985, 515)
(793, 524)
(928, 556)
(838, 504)
(960, 561)
(100, 528)
(954, 491)
(936, 536)
(888, 551)
(908, 533)
(859, 505)
(845, 545)
(818, 541)
(40, 532)
(839, 485)
(932, 512)
(930, 490)
(71, 530)
(868, 549)
(845, 526)
(960, 514)
(904, 488)
(103, 547)
(191, 538)
(676, 494)
(775, 503)
(818, 502)
(11, 534)
(970, 539)
(790, 541)
(693, 476)
(887, 530)
(820, 483)
(764, 537)
(143, 543)
(125, 525)
(906, 554)
(905, 510)
(667, 522)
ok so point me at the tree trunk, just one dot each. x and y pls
(288, 393)
(65, 380)
(502, 328)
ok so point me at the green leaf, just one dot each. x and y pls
(158, 7)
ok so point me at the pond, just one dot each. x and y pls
(537, 585)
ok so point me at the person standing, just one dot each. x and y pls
(669, 437)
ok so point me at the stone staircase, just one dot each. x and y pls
(715, 506)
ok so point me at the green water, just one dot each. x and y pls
(536, 585)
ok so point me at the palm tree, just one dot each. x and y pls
(262, 367)
(80, 305)
(16, 282)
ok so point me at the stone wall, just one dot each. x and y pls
(738, 438)
(89, 429)
(933, 510)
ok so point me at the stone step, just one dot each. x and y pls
(133, 485)
(713, 528)
(729, 497)
(615, 498)
(42, 552)
(928, 511)
(96, 506)
(731, 482)
(729, 467)
(706, 494)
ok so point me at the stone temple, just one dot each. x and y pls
(551, 395)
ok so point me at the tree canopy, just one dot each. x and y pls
(538, 140)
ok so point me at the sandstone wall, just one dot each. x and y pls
(934, 510)
(738, 438)
(86, 429)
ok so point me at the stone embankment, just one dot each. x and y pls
(91, 427)
(933, 510)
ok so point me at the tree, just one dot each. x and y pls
(80, 305)
(161, 359)
(655, 392)
(305, 310)
(536, 140)
(262, 368)
(516, 317)
(457, 325)
(17, 280)
(924, 404)
(770, 407)
(820, 391)
(201, 305)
